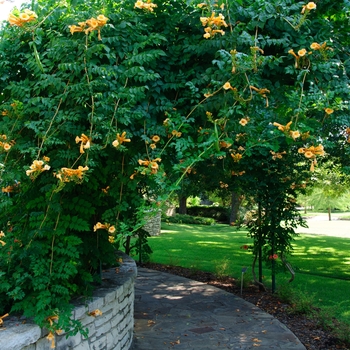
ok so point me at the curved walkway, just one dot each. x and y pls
(173, 312)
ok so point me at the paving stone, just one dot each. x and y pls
(9, 340)
(175, 312)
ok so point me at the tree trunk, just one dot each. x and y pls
(260, 249)
(273, 267)
(182, 204)
(329, 214)
(236, 200)
(127, 245)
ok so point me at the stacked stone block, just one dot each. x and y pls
(153, 224)
(113, 330)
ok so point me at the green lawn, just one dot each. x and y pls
(322, 255)
(201, 247)
(322, 263)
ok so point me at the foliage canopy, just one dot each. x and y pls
(107, 107)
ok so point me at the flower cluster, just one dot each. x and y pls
(169, 125)
(4, 145)
(236, 157)
(294, 185)
(105, 190)
(224, 144)
(283, 128)
(84, 142)
(24, 17)
(347, 132)
(223, 184)
(256, 62)
(308, 7)
(7, 189)
(286, 129)
(67, 174)
(277, 155)
(214, 24)
(37, 167)
(244, 121)
(273, 257)
(322, 48)
(237, 173)
(176, 133)
(262, 92)
(300, 58)
(155, 139)
(1, 319)
(90, 25)
(51, 336)
(319, 47)
(305, 12)
(294, 134)
(120, 139)
(207, 94)
(311, 154)
(148, 6)
(109, 228)
(227, 86)
(301, 53)
(202, 5)
(2, 235)
(312, 151)
(152, 164)
(95, 313)
(11, 188)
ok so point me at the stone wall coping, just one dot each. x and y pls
(19, 333)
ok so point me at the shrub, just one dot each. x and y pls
(222, 268)
(220, 214)
(303, 303)
(188, 219)
(85, 92)
(300, 302)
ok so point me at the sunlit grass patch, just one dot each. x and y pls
(321, 263)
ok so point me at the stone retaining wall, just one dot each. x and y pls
(113, 330)
(153, 224)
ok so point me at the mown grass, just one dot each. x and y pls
(322, 263)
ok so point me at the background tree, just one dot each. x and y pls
(330, 189)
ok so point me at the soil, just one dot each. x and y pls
(307, 329)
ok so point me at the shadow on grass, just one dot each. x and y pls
(322, 255)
